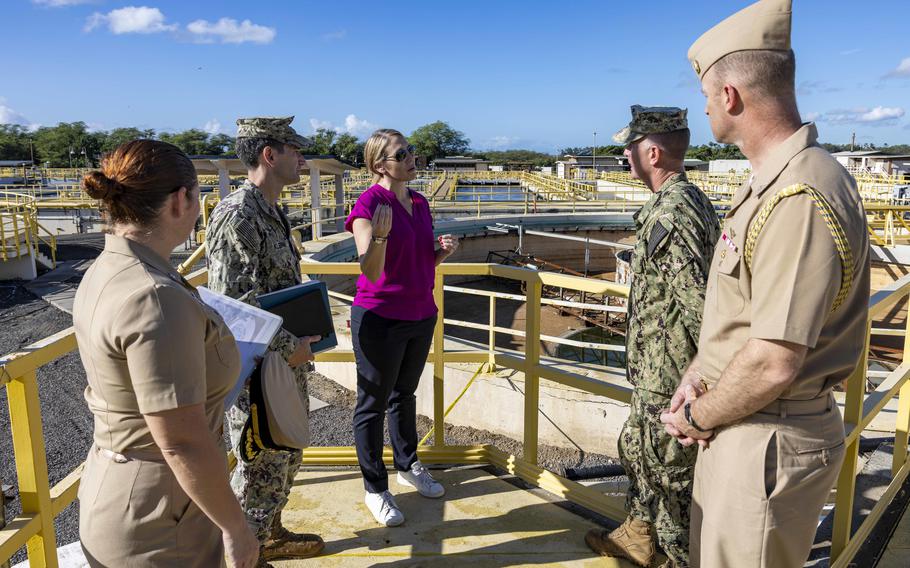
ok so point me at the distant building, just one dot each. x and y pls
(875, 161)
(460, 164)
(577, 166)
(727, 166)
(695, 164)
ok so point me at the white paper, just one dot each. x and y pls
(253, 330)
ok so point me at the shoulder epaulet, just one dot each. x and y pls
(834, 226)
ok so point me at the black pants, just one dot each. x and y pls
(390, 356)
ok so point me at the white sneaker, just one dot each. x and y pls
(384, 508)
(421, 479)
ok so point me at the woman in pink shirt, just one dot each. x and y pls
(392, 318)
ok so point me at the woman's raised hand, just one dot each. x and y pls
(448, 243)
(382, 220)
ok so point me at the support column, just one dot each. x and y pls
(315, 203)
(339, 202)
(224, 178)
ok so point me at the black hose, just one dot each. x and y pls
(607, 470)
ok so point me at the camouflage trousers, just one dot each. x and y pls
(660, 474)
(263, 486)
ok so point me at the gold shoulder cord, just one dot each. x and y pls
(837, 233)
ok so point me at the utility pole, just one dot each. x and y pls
(594, 155)
(852, 141)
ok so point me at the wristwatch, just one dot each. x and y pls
(687, 409)
(380, 240)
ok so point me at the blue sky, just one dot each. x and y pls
(509, 74)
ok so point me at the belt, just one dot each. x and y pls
(784, 408)
(145, 454)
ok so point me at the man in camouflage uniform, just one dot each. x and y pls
(251, 252)
(676, 229)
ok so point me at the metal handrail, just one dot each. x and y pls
(40, 502)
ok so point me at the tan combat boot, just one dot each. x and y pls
(283, 544)
(631, 540)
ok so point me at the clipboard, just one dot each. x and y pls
(305, 311)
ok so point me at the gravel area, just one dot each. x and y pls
(67, 425)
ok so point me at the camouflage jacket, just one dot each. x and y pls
(677, 230)
(250, 252)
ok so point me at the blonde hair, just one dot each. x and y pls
(374, 149)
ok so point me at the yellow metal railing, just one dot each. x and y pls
(33, 528)
(20, 231)
(860, 409)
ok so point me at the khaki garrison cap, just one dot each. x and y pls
(277, 128)
(651, 120)
(763, 25)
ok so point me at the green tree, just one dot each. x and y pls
(119, 136)
(66, 144)
(437, 140)
(14, 143)
(323, 140)
(193, 141)
(219, 145)
(537, 159)
(715, 151)
(348, 148)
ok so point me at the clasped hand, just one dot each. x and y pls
(674, 418)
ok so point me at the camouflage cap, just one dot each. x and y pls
(651, 120)
(764, 25)
(277, 128)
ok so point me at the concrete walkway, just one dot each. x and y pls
(482, 520)
(897, 553)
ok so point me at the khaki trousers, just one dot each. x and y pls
(133, 513)
(761, 484)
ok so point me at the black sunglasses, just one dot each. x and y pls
(402, 153)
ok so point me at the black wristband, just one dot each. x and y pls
(687, 409)
(380, 240)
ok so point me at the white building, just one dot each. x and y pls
(874, 161)
(727, 166)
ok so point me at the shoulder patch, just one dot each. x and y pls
(659, 234)
(246, 233)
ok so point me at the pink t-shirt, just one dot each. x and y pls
(405, 289)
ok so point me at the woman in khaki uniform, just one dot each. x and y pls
(159, 363)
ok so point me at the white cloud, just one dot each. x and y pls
(335, 36)
(812, 87)
(358, 127)
(212, 127)
(902, 70)
(879, 115)
(352, 125)
(500, 142)
(131, 20)
(58, 3)
(317, 124)
(812, 116)
(227, 30)
(10, 116)
(850, 51)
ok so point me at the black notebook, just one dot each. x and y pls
(305, 310)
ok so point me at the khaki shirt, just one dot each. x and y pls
(148, 344)
(795, 275)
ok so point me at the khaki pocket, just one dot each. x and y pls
(728, 298)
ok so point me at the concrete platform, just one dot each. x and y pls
(897, 554)
(483, 520)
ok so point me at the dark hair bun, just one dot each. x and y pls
(99, 186)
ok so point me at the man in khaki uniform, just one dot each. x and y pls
(785, 310)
